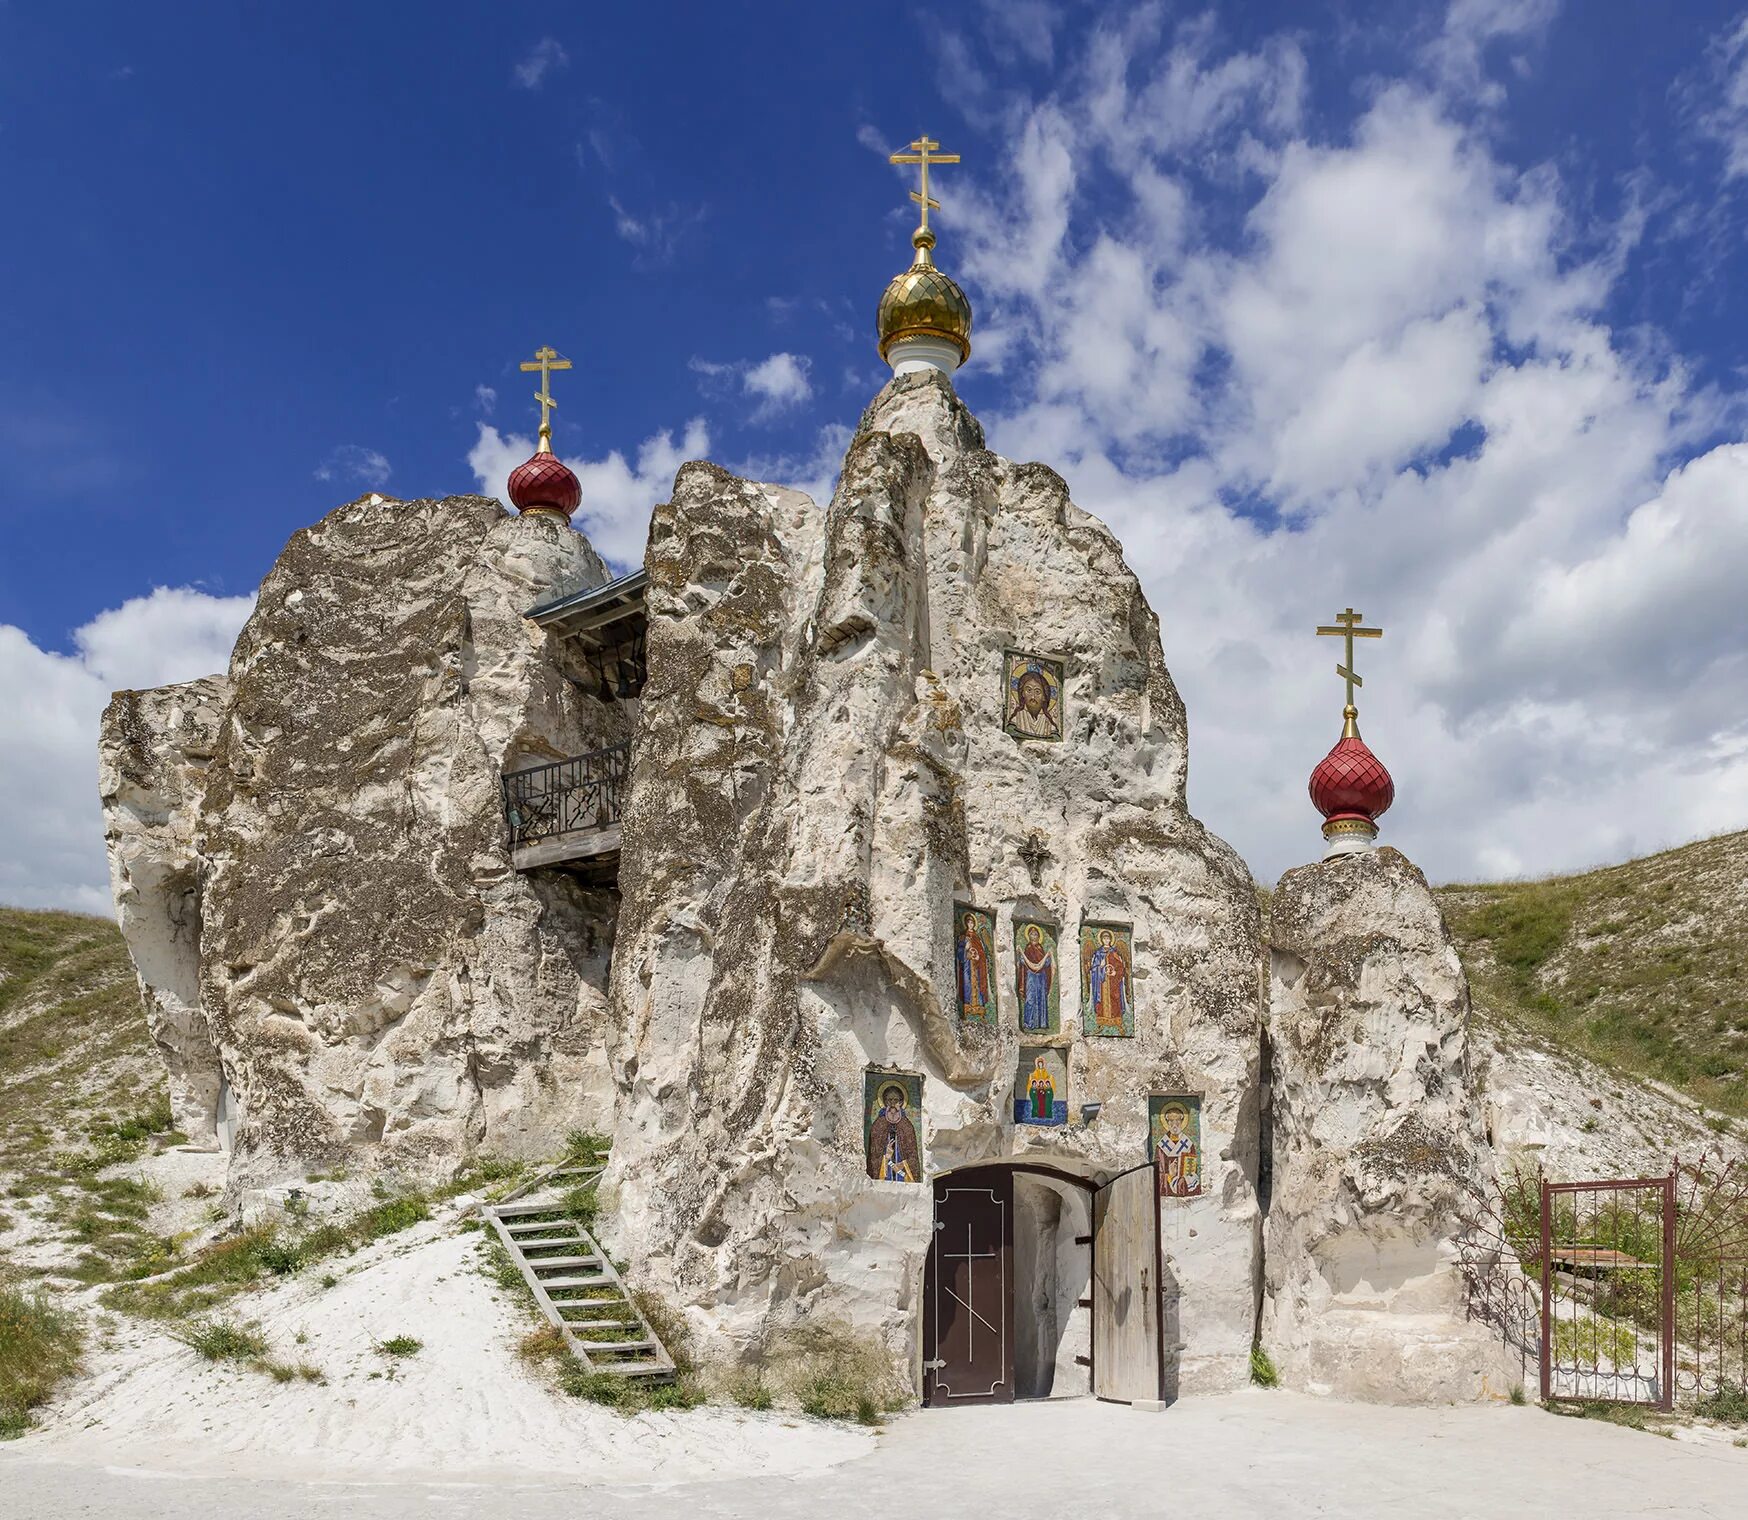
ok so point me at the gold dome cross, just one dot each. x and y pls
(922, 153)
(1350, 630)
(546, 360)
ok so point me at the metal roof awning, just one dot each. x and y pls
(600, 617)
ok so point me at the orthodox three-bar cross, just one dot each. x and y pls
(546, 360)
(922, 152)
(1348, 628)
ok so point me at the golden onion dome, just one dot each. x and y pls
(924, 303)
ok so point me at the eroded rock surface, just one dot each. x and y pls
(821, 771)
(1380, 1150)
(323, 839)
(152, 765)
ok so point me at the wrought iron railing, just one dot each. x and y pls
(567, 796)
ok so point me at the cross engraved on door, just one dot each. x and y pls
(969, 1301)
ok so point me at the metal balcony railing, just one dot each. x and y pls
(567, 796)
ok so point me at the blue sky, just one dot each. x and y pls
(1273, 285)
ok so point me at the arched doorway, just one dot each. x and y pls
(1037, 1274)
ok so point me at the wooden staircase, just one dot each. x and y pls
(577, 1287)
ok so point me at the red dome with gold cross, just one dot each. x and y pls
(545, 485)
(1351, 782)
(1350, 786)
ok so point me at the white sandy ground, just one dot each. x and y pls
(1272, 1456)
(463, 1429)
(463, 1405)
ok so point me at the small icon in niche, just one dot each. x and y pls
(890, 1099)
(1174, 1128)
(1031, 696)
(1041, 1086)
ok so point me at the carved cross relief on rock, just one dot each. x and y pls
(1035, 856)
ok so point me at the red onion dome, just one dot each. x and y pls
(1351, 782)
(545, 484)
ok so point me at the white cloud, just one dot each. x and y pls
(1458, 55)
(1718, 97)
(617, 494)
(547, 56)
(354, 462)
(49, 815)
(777, 384)
(780, 382)
(485, 398)
(657, 233)
(1391, 385)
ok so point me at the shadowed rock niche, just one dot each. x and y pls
(310, 860)
(1379, 1141)
(821, 771)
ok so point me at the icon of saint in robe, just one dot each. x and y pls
(1108, 985)
(1175, 1158)
(1035, 971)
(892, 1147)
(1033, 714)
(975, 999)
(1041, 1089)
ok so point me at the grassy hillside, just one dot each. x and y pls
(1642, 966)
(74, 1053)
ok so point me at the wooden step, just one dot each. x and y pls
(509, 1211)
(539, 1263)
(564, 1226)
(604, 1324)
(631, 1369)
(599, 1280)
(595, 1346)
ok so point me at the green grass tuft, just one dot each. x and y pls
(1262, 1369)
(1728, 1404)
(401, 1345)
(41, 1344)
(223, 1340)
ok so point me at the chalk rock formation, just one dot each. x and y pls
(1379, 1142)
(376, 984)
(152, 765)
(820, 771)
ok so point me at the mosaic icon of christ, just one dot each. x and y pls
(1032, 707)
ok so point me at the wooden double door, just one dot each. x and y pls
(968, 1289)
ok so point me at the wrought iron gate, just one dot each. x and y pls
(1711, 1287)
(1608, 1290)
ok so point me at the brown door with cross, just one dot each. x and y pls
(968, 1291)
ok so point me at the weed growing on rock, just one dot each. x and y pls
(1262, 1369)
(400, 1345)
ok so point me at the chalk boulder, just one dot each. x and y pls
(820, 773)
(1379, 1144)
(327, 921)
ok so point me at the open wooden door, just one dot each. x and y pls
(968, 1291)
(1127, 1355)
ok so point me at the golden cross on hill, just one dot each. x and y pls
(922, 152)
(1348, 628)
(546, 360)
